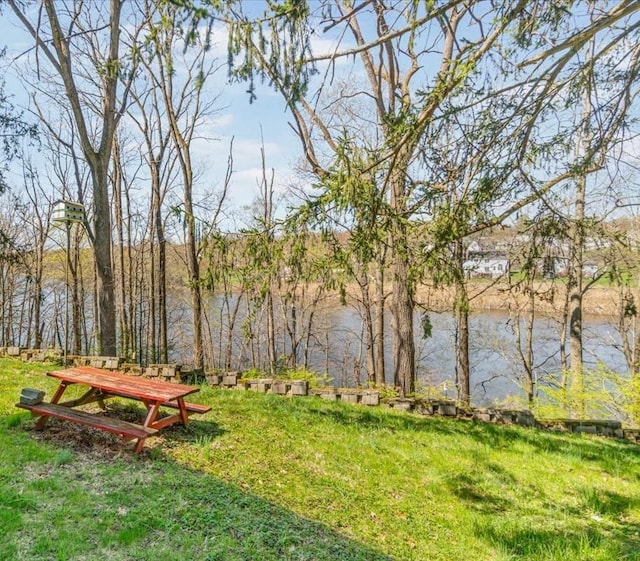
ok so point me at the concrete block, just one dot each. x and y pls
(370, 398)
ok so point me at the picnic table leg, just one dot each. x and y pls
(139, 445)
(91, 396)
(184, 415)
(61, 389)
(42, 421)
(153, 408)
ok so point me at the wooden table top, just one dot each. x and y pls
(118, 382)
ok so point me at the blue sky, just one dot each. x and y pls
(250, 125)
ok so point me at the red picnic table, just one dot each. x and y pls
(103, 384)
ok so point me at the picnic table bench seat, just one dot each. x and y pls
(190, 407)
(109, 424)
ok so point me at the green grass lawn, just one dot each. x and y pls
(264, 477)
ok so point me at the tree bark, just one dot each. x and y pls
(379, 331)
(575, 281)
(402, 305)
(574, 286)
(461, 309)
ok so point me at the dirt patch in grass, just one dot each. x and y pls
(92, 443)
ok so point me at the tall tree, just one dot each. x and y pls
(150, 116)
(37, 217)
(13, 128)
(88, 61)
(184, 106)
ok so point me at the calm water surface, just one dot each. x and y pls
(495, 364)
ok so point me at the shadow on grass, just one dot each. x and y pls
(578, 543)
(239, 525)
(96, 443)
(606, 503)
(152, 507)
(473, 490)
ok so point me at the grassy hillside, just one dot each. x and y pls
(268, 478)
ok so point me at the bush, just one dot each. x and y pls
(300, 373)
(603, 394)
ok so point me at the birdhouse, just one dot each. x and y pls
(66, 211)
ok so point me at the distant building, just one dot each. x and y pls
(590, 270)
(484, 262)
(486, 266)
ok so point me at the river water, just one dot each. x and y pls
(335, 347)
(495, 365)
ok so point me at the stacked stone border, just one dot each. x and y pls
(31, 355)
(166, 372)
(425, 407)
(300, 388)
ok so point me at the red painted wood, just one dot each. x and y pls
(123, 384)
(190, 407)
(162, 422)
(153, 393)
(108, 424)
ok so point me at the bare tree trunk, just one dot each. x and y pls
(232, 316)
(77, 291)
(104, 267)
(121, 293)
(152, 294)
(95, 328)
(193, 267)
(574, 286)
(526, 353)
(308, 332)
(379, 341)
(130, 285)
(575, 282)
(161, 277)
(461, 306)
(250, 337)
(368, 325)
(10, 295)
(291, 327)
(3, 305)
(266, 188)
(40, 220)
(183, 120)
(402, 305)
(402, 314)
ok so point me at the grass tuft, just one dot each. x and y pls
(63, 457)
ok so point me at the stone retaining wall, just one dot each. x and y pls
(426, 407)
(31, 355)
